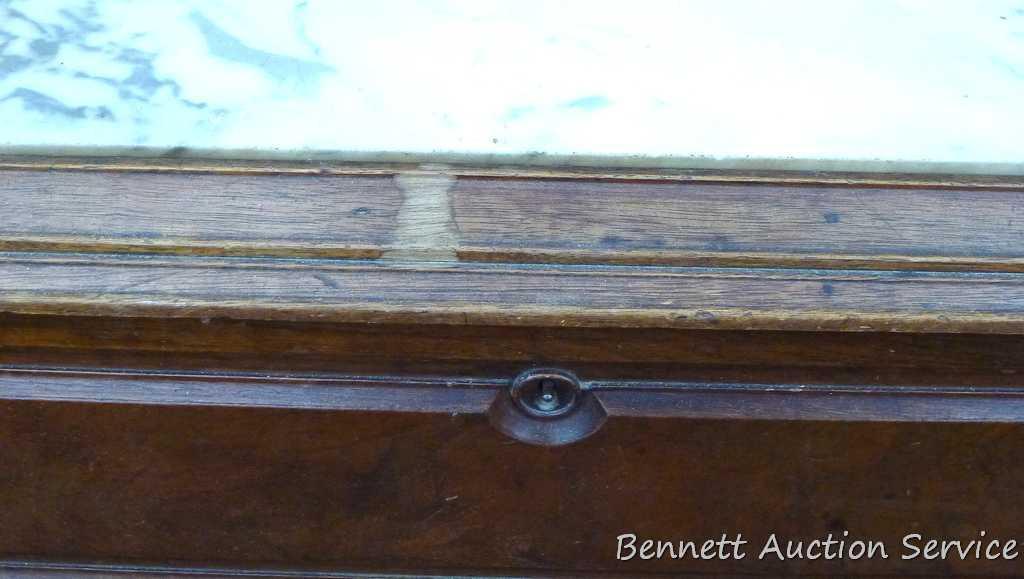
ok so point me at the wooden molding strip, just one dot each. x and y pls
(511, 295)
(452, 395)
(239, 166)
(38, 569)
(432, 213)
(30, 569)
(738, 225)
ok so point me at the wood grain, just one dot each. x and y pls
(788, 223)
(513, 295)
(502, 352)
(31, 569)
(574, 221)
(457, 395)
(36, 569)
(279, 488)
(450, 396)
(798, 353)
(295, 215)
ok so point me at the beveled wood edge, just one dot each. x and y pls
(31, 569)
(189, 247)
(511, 171)
(305, 250)
(448, 395)
(743, 259)
(568, 317)
(177, 287)
(466, 395)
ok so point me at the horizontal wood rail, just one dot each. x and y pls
(36, 569)
(511, 295)
(453, 395)
(696, 218)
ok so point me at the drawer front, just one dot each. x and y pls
(308, 489)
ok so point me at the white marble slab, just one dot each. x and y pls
(837, 84)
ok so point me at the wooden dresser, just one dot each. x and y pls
(292, 369)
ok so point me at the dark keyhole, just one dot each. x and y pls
(547, 398)
(546, 395)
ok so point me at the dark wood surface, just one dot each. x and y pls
(454, 396)
(177, 482)
(189, 385)
(621, 353)
(431, 492)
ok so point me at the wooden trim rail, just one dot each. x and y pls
(511, 295)
(720, 219)
(452, 395)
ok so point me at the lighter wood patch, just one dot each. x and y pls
(425, 225)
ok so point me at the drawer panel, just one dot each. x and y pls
(237, 487)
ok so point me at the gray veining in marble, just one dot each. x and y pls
(845, 84)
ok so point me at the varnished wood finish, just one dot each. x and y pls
(300, 215)
(301, 381)
(477, 294)
(374, 394)
(330, 347)
(634, 398)
(35, 569)
(393, 491)
(739, 224)
(845, 222)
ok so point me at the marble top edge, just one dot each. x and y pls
(537, 160)
(839, 86)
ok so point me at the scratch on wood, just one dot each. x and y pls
(327, 281)
(426, 228)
